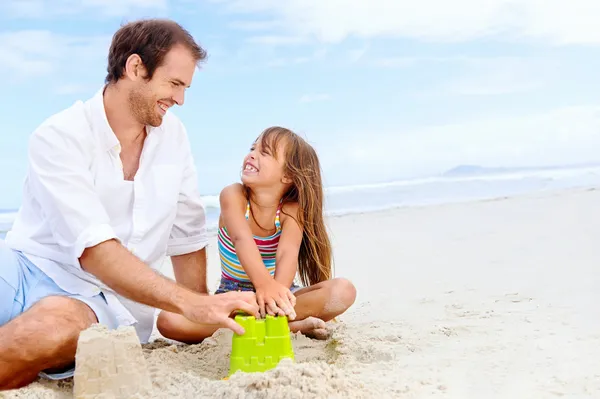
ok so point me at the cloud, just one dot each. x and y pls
(35, 53)
(394, 62)
(51, 8)
(357, 54)
(274, 40)
(279, 62)
(568, 135)
(473, 76)
(73, 88)
(254, 25)
(311, 98)
(552, 21)
(497, 75)
(282, 62)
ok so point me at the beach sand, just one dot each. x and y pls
(487, 299)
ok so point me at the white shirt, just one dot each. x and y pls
(75, 197)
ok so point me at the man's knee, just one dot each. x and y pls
(42, 338)
(63, 317)
(54, 323)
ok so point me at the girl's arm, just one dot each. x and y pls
(269, 293)
(233, 207)
(289, 246)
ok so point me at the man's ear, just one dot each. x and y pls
(134, 67)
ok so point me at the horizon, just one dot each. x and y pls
(482, 172)
(385, 90)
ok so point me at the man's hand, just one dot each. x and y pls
(275, 298)
(218, 309)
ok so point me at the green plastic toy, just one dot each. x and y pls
(262, 347)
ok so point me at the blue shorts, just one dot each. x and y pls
(22, 284)
(227, 285)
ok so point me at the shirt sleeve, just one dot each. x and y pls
(188, 233)
(60, 180)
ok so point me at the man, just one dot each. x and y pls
(111, 188)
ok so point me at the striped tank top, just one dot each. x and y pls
(267, 246)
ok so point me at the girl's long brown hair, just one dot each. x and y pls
(303, 167)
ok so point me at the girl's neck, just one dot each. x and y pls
(265, 199)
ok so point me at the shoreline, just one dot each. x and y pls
(332, 215)
(398, 201)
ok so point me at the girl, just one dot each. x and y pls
(271, 228)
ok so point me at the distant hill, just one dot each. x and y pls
(469, 170)
(474, 170)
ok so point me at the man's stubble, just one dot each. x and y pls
(143, 106)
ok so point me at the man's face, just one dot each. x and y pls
(150, 100)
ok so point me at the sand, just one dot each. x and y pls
(486, 299)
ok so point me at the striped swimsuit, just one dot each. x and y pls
(231, 269)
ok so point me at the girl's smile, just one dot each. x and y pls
(250, 168)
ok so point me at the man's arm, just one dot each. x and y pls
(130, 277)
(110, 259)
(190, 270)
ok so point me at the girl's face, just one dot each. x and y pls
(260, 166)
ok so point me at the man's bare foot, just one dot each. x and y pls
(312, 327)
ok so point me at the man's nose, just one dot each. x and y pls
(179, 97)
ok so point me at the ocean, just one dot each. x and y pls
(424, 191)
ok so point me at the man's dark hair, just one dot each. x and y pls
(151, 39)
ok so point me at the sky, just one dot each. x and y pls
(383, 89)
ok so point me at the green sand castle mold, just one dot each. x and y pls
(265, 343)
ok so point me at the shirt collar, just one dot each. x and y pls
(100, 122)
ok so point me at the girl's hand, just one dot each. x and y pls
(276, 299)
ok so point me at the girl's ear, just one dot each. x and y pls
(286, 180)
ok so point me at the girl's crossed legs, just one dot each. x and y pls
(314, 306)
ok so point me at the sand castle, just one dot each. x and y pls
(110, 365)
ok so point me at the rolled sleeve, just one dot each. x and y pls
(61, 181)
(93, 236)
(188, 233)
